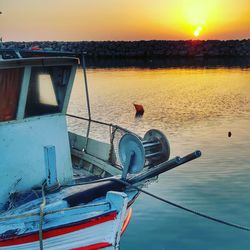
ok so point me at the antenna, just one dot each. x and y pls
(1, 39)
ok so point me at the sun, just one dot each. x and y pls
(197, 31)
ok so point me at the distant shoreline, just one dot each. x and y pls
(144, 49)
(242, 62)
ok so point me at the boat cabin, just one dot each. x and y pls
(34, 96)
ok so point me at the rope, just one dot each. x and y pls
(42, 206)
(245, 228)
(52, 212)
(112, 137)
(237, 226)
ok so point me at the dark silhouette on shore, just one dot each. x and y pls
(144, 49)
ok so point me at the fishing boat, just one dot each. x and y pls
(59, 189)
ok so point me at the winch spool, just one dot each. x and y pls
(134, 153)
(157, 147)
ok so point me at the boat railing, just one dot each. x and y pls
(101, 123)
(98, 207)
(102, 131)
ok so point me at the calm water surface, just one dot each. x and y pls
(195, 108)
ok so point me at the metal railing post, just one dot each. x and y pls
(87, 98)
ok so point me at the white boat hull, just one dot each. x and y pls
(92, 237)
(102, 231)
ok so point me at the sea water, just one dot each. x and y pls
(196, 108)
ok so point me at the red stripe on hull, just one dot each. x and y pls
(59, 231)
(106, 244)
(126, 221)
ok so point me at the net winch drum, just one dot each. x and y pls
(134, 153)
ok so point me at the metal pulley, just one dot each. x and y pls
(156, 146)
(134, 153)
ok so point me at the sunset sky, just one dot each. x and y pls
(72, 20)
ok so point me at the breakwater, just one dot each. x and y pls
(144, 49)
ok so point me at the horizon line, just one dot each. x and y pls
(139, 40)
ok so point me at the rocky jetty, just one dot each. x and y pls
(144, 49)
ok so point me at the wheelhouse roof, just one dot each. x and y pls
(38, 61)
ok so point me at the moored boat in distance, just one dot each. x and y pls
(59, 189)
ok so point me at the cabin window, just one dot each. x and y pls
(47, 90)
(10, 85)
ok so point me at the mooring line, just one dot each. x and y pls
(245, 228)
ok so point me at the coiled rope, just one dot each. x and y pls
(245, 228)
